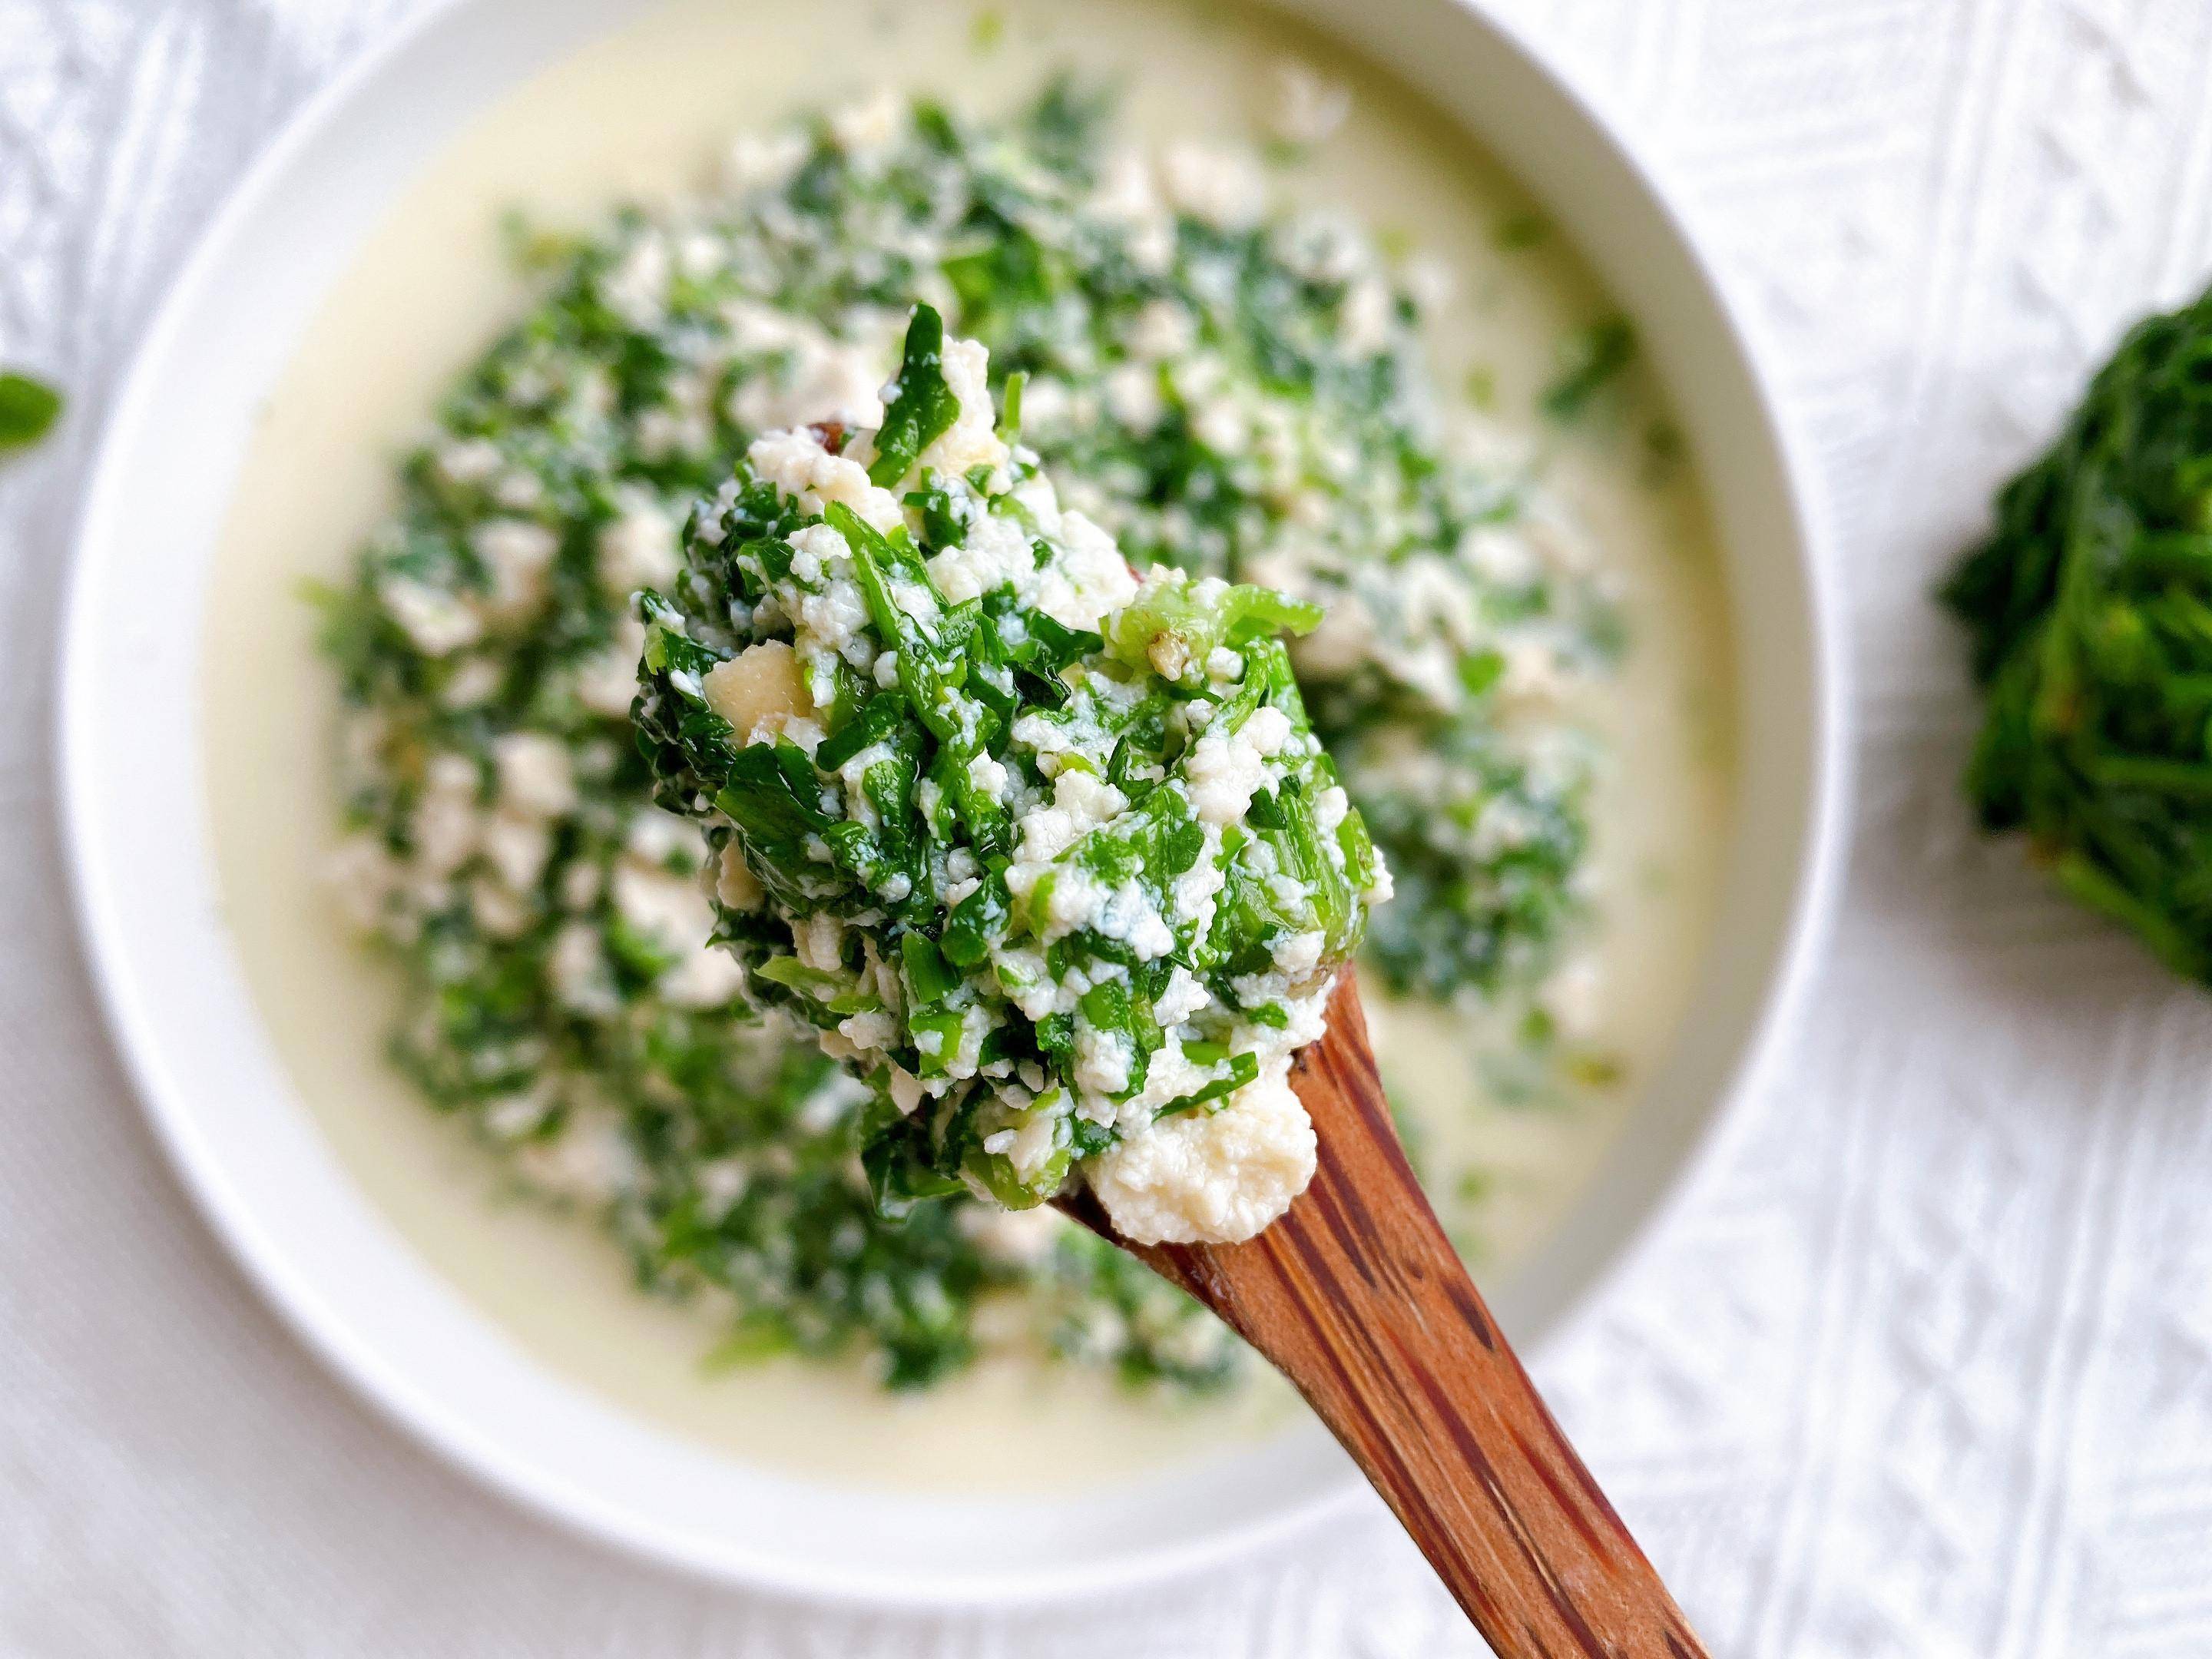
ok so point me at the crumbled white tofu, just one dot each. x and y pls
(1081, 801)
(818, 941)
(438, 622)
(703, 978)
(815, 378)
(447, 820)
(722, 1182)
(590, 1160)
(517, 556)
(1574, 997)
(1298, 956)
(735, 884)
(1102, 1060)
(1534, 675)
(662, 838)
(1029, 1145)
(468, 461)
(1310, 106)
(873, 1030)
(1226, 769)
(1132, 396)
(1369, 311)
(636, 288)
(362, 875)
(870, 125)
(519, 490)
(996, 553)
(1090, 581)
(638, 548)
(796, 463)
(1219, 186)
(1342, 642)
(1164, 332)
(497, 909)
(517, 847)
(582, 883)
(987, 776)
(672, 911)
(578, 967)
(535, 777)
(474, 683)
(1128, 196)
(1129, 914)
(606, 682)
(1211, 1177)
(1186, 994)
(763, 161)
(1020, 1238)
(759, 691)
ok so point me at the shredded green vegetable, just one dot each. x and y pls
(2090, 612)
(29, 409)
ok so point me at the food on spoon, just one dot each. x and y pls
(1251, 398)
(2090, 608)
(1048, 852)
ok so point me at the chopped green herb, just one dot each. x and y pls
(1591, 360)
(531, 246)
(29, 409)
(1663, 452)
(1520, 230)
(919, 407)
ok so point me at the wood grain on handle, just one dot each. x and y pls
(1357, 1295)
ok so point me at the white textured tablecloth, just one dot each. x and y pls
(1926, 1371)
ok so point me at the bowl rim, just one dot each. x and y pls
(1818, 862)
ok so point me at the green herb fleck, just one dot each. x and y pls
(1591, 360)
(919, 407)
(533, 248)
(29, 409)
(1663, 451)
(1519, 230)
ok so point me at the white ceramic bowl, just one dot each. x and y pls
(216, 1093)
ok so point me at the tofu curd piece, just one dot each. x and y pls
(759, 691)
(1209, 1177)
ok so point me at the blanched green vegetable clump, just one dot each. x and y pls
(2090, 608)
(1050, 855)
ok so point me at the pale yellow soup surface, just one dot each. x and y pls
(644, 115)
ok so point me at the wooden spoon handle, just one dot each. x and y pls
(1357, 1295)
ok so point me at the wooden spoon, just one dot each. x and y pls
(1358, 1299)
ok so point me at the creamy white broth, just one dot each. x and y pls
(646, 114)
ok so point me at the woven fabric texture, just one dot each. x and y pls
(1925, 1371)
